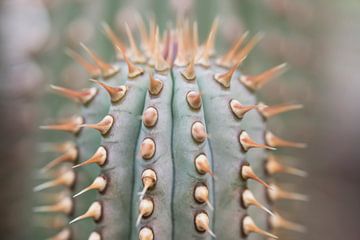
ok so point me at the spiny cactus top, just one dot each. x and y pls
(178, 135)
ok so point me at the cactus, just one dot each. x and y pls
(175, 140)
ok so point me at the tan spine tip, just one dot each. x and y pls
(238, 109)
(116, 93)
(72, 125)
(149, 180)
(202, 165)
(247, 143)
(94, 236)
(155, 85)
(193, 98)
(189, 72)
(248, 173)
(201, 195)
(275, 141)
(249, 226)
(146, 208)
(93, 212)
(150, 117)
(198, 132)
(103, 126)
(98, 184)
(83, 96)
(146, 234)
(202, 223)
(99, 158)
(147, 148)
(63, 206)
(249, 199)
(270, 111)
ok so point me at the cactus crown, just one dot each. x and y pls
(178, 136)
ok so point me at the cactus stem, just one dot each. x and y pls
(270, 111)
(198, 132)
(249, 226)
(273, 166)
(201, 195)
(63, 206)
(155, 85)
(72, 125)
(149, 180)
(69, 156)
(93, 70)
(150, 117)
(189, 72)
(248, 199)
(146, 234)
(84, 96)
(64, 234)
(277, 193)
(247, 143)
(240, 110)
(276, 221)
(243, 53)
(117, 43)
(99, 158)
(138, 57)
(202, 165)
(146, 208)
(147, 148)
(98, 184)
(93, 212)
(275, 141)
(226, 60)
(116, 93)
(94, 236)
(257, 81)
(107, 70)
(248, 173)
(103, 126)
(202, 223)
(193, 98)
(66, 179)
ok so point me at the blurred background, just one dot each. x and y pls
(318, 38)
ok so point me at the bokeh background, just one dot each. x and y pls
(320, 39)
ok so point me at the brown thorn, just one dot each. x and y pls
(99, 184)
(257, 81)
(103, 126)
(238, 109)
(146, 234)
(249, 226)
(149, 180)
(160, 64)
(143, 32)
(93, 70)
(146, 208)
(198, 132)
(69, 156)
(249, 199)
(276, 221)
(248, 173)
(201, 195)
(99, 158)
(63, 206)
(116, 93)
(64, 234)
(138, 57)
(93, 212)
(273, 167)
(226, 60)
(133, 70)
(243, 53)
(150, 117)
(202, 165)
(117, 43)
(147, 148)
(276, 193)
(72, 125)
(66, 179)
(94, 236)
(225, 78)
(275, 141)
(155, 85)
(189, 72)
(270, 111)
(202, 223)
(247, 143)
(193, 98)
(107, 70)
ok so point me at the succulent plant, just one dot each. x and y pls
(177, 136)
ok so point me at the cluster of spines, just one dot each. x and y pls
(200, 55)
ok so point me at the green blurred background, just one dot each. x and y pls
(319, 39)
